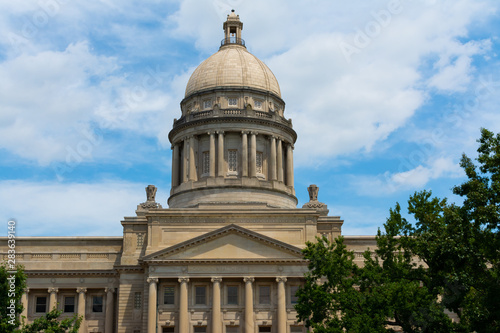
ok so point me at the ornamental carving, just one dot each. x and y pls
(313, 201)
(150, 199)
(151, 193)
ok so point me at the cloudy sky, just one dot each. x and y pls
(385, 97)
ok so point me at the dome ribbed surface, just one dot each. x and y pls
(232, 66)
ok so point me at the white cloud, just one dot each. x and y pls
(352, 104)
(51, 100)
(50, 208)
(411, 179)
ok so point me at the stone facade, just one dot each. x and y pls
(226, 255)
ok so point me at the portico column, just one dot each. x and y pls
(272, 162)
(152, 304)
(81, 308)
(220, 160)
(216, 318)
(53, 298)
(212, 155)
(24, 301)
(175, 165)
(281, 304)
(280, 160)
(249, 324)
(289, 165)
(244, 154)
(108, 325)
(183, 306)
(253, 154)
(192, 161)
(184, 161)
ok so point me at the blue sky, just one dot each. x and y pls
(385, 97)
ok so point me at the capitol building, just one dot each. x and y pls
(225, 256)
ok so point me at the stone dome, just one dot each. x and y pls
(232, 66)
(233, 146)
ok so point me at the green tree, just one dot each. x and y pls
(50, 323)
(12, 285)
(448, 259)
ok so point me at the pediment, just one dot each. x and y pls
(228, 243)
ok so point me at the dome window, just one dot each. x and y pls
(258, 104)
(258, 162)
(232, 161)
(232, 101)
(207, 104)
(206, 163)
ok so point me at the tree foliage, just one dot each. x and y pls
(447, 260)
(12, 285)
(51, 323)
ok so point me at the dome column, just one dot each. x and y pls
(272, 162)
(220, 159)
(192, 162)
(244, 154)
(175, 165)
(280, 160)
(184, 161)
(212, 155)
(253, 154)
(289, 164)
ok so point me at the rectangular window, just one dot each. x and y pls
(296, 329)
(207, 104)
(258, 104)
(264, 294)
(293, 291)
(170, 329)
(41, 304)
(206, 162)
(258, 162)
(69, 304)
(231, 329)
(168, 295)
(264, 329)
(200, 329)
(137, 300)
(232, 101)
(97, 303)
(232, 160)
(201, 295)
(232, 295)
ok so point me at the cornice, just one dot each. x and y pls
(123, 269)
(32, 273)
(225, 120)
(174, 262)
